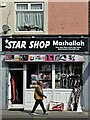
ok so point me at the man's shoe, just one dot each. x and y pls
(33, 113)
(45, 113)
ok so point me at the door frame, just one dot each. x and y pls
(10, 105)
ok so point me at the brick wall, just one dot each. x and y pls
(68, 18)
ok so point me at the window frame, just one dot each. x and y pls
(29, 6)
(30, 10)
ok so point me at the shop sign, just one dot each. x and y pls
(50, 44)
(44, 58)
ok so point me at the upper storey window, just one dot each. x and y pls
(29, 16)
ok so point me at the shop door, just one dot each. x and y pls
(15, 89)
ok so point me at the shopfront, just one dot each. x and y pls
(57, 61)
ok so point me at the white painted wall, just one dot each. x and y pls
(8, 17)
(88, 94)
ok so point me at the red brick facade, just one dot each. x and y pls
(68, 18)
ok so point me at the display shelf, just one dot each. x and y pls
(44, 71)
(47, 80)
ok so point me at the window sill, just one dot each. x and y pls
(28, 32)
(32, 89)
(49, 89)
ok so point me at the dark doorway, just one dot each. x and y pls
(16, 86)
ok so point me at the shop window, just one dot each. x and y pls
(45, 75)
(37, 72)
(66, 75)
(29, 16)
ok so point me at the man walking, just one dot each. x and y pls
(38, 96)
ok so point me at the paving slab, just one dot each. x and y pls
(52, 115)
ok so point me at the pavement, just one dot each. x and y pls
(52, 115)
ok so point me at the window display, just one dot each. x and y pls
(37, 72)
(66, 74)
(45, 75)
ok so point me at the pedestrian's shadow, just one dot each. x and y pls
(38, 113)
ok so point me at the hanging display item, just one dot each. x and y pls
(44, 58)
(13, 90)
(75, 96)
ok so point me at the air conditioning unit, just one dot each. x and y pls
(2, 4)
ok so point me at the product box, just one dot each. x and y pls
(56, 106)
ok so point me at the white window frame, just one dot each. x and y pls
(29, 6)
(36, 9)
(29, 9)
(20, 4)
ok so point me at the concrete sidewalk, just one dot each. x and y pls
(61, 115)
